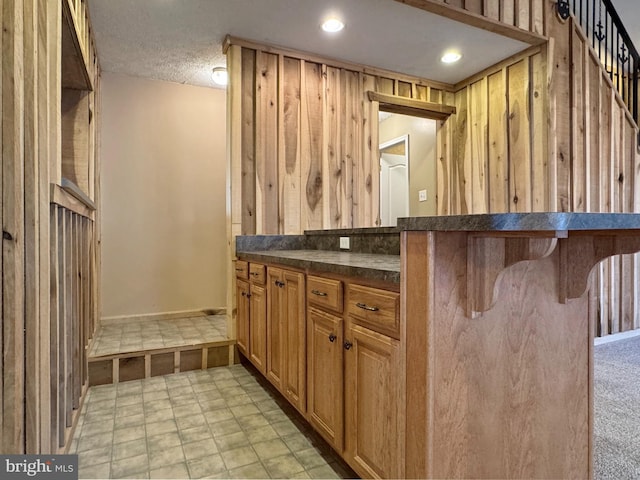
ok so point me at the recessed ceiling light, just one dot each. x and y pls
(332, 25)
(220, 76)
(450, 57)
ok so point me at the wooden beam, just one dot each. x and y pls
(476, 20)
(61, 197)
(407, 106)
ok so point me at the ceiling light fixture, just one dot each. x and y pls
(450, 57)
(332, 25)
(220, 76)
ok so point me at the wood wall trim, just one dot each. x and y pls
(408, 106)
(332, 62)
(61, 197)
(476, 20)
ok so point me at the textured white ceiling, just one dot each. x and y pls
(181, 40)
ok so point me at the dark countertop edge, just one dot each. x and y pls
(356, 231)
(523, 222)
(390, 276)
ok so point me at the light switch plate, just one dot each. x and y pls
(422, 196)
(344, 243)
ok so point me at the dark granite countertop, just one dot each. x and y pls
(524, 222)
(385, 268)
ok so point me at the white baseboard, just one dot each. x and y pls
(614, 337)
(167, 315)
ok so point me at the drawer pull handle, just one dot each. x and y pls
(318, 293)
(366, 307)
(255, 274)
(332, 338)
(348, 345)
(239, 269)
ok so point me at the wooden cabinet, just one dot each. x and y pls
(286, 334)
(258, 317)
(374, 434)
(242, 315)
(325, 375)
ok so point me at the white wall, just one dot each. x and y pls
(422, 158)
(163, 196)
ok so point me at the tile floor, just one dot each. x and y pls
(216, 423)
(126, 335)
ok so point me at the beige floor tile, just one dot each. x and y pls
(225, 427)
(157, 428)
(95, 428)
(95, 441)
(239, 457)
(129, 466)
(96, 456)
(243, 410)
(206, 467)
(129, 449)
(190, 421)
(176, 471)
(199, 449)
(159, 415)
(95, 471)
(131, 421)
(129, 410)
(324, 471)
(285, 427)
(219, 415)
(199, 433)
(297, 442)
(232, 441)
(262, 434)
(123, 435)
(253, 421)
(270, 449)
(255, 470)
(163, 456)
(164, 440)
(310, 458)
(285, 466)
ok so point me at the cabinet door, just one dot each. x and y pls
(242, 316)
(275, 327)
(258, 327)
(372, 403)
(325, 375)
(295, 339)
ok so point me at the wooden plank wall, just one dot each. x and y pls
(594, 154)
(492, 152)
(304, 153)
(30, 159)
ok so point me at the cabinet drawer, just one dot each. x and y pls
(242, 269)
(325, 292)
(376, 309)
(257, 273)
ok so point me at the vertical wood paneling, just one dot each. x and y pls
(368, 170)
(578, 163)
(498, 153)
(461, 169)
(350, 139)
(593, 133)
(385, 85)
(13, 216)
(404, 89)
(492, 9)
(311, 128)
(522, 14)
(248, 133)
(474, 6)
(336, 171)
(266, 128)
(539, 146)
(289, 174)
(519, 138)
(507, 11)
(54, 322)
(478, 114)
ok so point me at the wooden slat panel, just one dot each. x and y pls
(248, 134)
(522, 14)
(368, 170)
(593, 132)
(290, 183)
(492, 9)
(519, 138)
(62, 323)
(444, 154)
(539, 146)
(421, 93)
(69, 235)
(350, 140)
(311, 127)
(384, 85)
(498, 153)
(578, 163)
(507, 11)
(336, 171)
(31, 232)
(13, 275)
(537, 17)
(474, 6)
(478, 114)
(461, 171)
(266, 143)
(626, 180)
(404, 89)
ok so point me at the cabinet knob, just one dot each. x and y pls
(332, 338)
(244, 294)
(248, 295)
(348, 345)
(279, 283)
